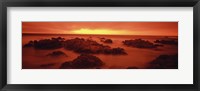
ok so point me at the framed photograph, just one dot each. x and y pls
(128, 45)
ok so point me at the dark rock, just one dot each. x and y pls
(56, 53)
(116, 67)
(30, 44)
(48, 44)
(118, 51)
(80, 45)
(102, 38)
(109, 41)
(52, 43)
(84, 61)
(139, 43)
(59, 38)
(164, 62)
(67, 65)
(157, 45)
(47, 65)
(169, 41)
(132, 67)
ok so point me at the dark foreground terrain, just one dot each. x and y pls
(89, 49)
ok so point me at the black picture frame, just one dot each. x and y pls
(98, 3)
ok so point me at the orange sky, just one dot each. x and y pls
(111, 28)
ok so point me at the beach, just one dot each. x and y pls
(136, 57)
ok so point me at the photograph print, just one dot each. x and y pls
(100, 45)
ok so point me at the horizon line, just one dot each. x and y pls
(97, 34)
